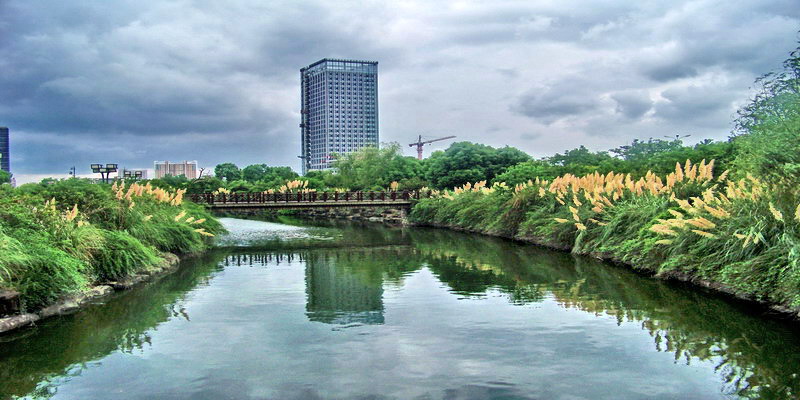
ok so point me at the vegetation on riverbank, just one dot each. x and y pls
(61, 237)
(738, 230)
(741, 233)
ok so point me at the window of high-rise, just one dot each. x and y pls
(339, 110)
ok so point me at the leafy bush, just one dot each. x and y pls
(58, 237)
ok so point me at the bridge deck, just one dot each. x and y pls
(305, 200)
(312, 204)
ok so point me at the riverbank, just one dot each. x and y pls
(73, 302)
(65, 244)
(736, 237)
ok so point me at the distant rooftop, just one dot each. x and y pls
(339, 63)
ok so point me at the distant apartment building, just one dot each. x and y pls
(126, 173)
(5, 146)
(187, 168)
(339, 111)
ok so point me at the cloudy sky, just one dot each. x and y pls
(133, 81)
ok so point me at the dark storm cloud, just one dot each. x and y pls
(697, 104)
(668, 72)
(530, 136)
(136, 81)
(632, 104)
(553, 103)
(149, 75)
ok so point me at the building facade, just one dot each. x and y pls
(339, 111)
(186, 168)
(5, 146)
(126, 173)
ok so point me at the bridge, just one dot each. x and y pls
(308, 200)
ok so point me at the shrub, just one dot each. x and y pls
(41, 273)
(121, 255)
(59, 237)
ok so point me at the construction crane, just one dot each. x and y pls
(419, 143)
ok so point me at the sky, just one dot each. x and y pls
(134, 81)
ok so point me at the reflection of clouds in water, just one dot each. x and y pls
(244, 233)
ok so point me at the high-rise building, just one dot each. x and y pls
(339, 110)
(5, 157)
(187, 168)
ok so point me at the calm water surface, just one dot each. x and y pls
(365, 312)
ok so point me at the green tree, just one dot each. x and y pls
(318, 179)
(658, 156)
(776, 99)
(228, 172)
(268, 176)
(240, 186)
(771, 150)
(206, 184)
(171, 182)
(663, 163)
(282, 174)
(464, 162)
(640, 151)
(528, 170)
(255, 172)
(581, 161)
(5, 177)
(767, 138)
(373, 168)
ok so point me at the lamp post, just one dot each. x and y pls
(104, 171)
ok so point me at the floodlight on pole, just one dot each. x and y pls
(105, 172)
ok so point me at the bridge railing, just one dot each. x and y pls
(308, 197)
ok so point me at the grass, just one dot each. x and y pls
(58, 239)
(121, 255)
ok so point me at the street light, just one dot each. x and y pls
(105, 172)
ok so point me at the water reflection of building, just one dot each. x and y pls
(240, 259)
(338, 292)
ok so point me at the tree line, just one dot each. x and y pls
(377, 168)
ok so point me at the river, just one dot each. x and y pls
(346, 311)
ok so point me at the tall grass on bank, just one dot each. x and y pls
(743, 234)
(59, 238)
